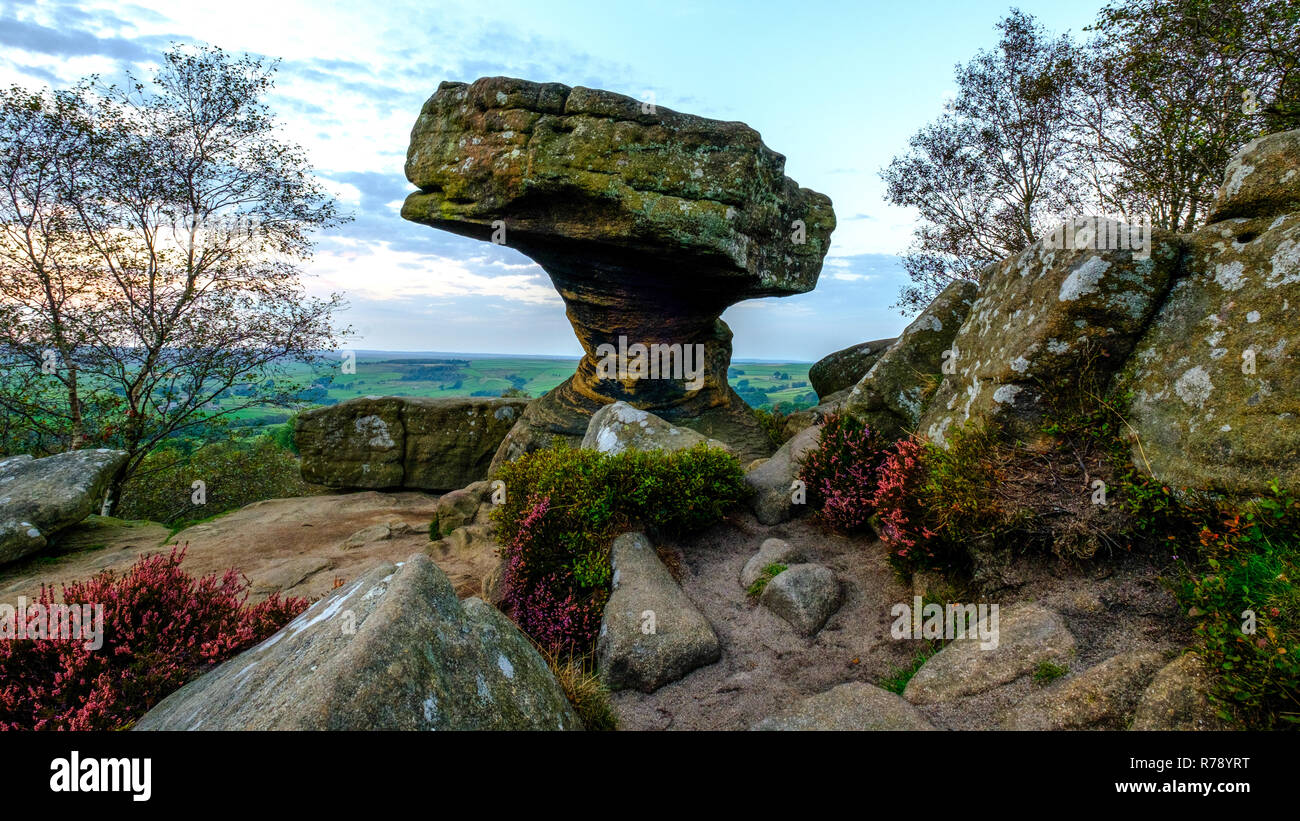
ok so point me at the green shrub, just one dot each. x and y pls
(1049, 671)
(1249, 560)
(840, 474)
(563, 509)
(234, 474)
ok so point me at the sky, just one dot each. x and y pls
(837, 87)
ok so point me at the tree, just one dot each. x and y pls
(151, 240)
(987, 177)
(1173, 88)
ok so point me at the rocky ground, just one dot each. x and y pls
(767, 668)
(302, 547)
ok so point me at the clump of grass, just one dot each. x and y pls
(760, 584)
(584, 690)
(1048, 671)
(896, 681)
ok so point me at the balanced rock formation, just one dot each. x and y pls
(1216, 378)
(650, 224)
(378, 442)
(394, 650)
(40, 497)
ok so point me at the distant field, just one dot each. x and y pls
(449, 375)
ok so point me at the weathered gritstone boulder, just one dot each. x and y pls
(650, 224)
(1026, 636)
(619, 427)
(40, 497)
(378, 442)
(771, 481)
(1178, 698)
(1216, 379)
(1262, 180)
(889, 398)
(1101, 697)
(1044, 319)
(394, 650)
(840, 370)
(651, 633)
(848, 707)
(805, 595)
(772, 551)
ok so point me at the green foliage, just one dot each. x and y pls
(1048, 671)
(234, 474)
(1249, 561)
(896, 681)
(772, 421)
(564, 507)
(770, 572)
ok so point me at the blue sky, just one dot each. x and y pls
(837, 87)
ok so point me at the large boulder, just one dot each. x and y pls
(890, 396)
(377, 442)
(1178, 698)
(394, 650)
(852, 706)
(651, 633)
(40, 497)
(650, 224)
(1215, 381)
(1262, 180)
(842, 369)
(1051, 322)
(619, 427)
(1102, 697)
(1026, 637)
(772, 481)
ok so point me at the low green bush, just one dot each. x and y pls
(1241, 590)
(234, 473)
(563, 509)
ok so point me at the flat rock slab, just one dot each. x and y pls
(1026, 637)
(259, 539)
(40, 497)
(1178, 698)
(394, 650)
(651, 633)
(805, 595)
(849, 707)
(1102, 697)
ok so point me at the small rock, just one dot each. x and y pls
(460, 507)
(847, 707)
(772, 551)
(40, 497)
(805, 595)
(1026, 636)
(651, 633)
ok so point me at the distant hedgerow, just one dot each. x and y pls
(162, 628)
